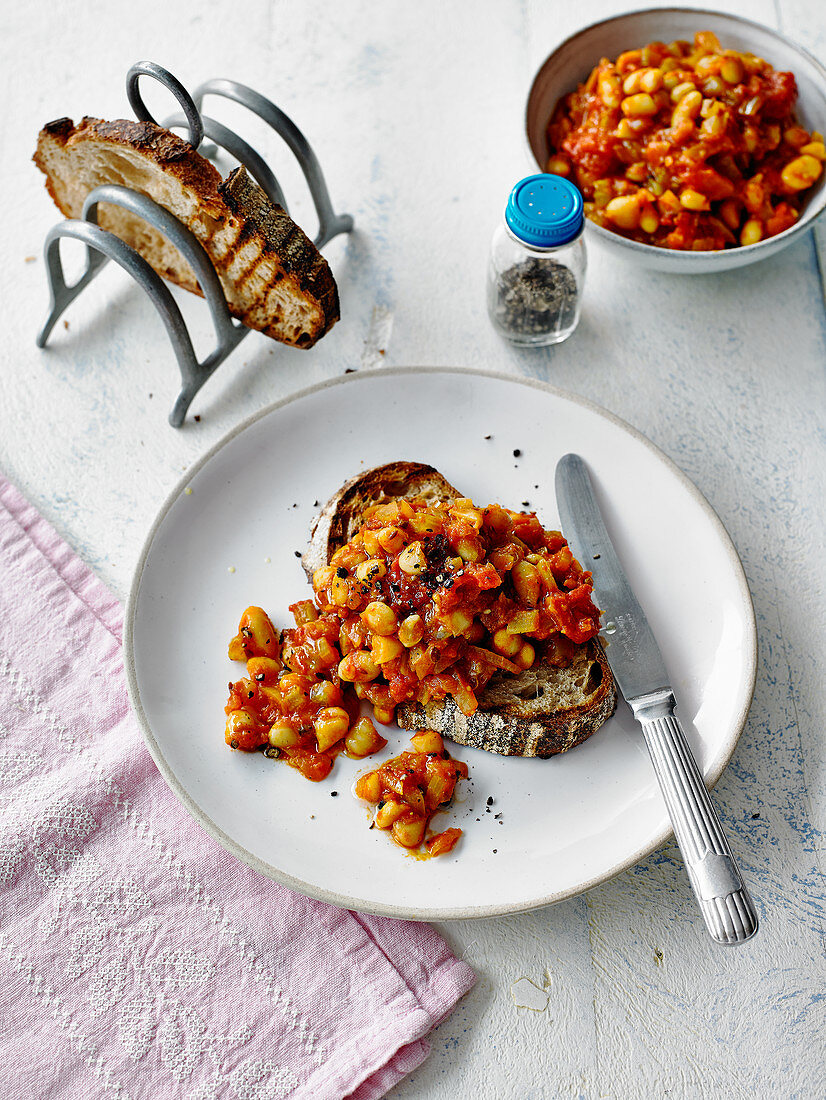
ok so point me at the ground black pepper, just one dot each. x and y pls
(535, 297)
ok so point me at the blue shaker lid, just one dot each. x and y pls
(545, 210)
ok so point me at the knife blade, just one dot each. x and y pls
(639, 670)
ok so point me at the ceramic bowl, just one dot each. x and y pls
(571, 62)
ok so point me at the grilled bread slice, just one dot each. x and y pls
(542, 711)
(274, 278)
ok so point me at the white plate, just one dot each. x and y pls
(566, 823)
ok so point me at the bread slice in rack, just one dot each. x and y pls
(274, 278)
(542, 711)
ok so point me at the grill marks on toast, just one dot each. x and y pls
(274, 278)
(290, 251)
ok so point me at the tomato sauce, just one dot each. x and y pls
(408, 790)
(687, 146)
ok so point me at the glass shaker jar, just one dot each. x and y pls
(537, 263)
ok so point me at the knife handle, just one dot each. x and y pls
(724, 901)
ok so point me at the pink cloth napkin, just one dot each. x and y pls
(138, 958)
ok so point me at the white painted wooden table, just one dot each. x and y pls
(416, 113)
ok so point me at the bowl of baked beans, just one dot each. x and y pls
(696, 138)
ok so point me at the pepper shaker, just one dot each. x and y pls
(537, 263)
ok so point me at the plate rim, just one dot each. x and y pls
(331, 897)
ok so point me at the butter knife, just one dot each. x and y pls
(639, 671)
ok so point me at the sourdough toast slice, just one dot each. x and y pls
(544, 710)
(274, 278)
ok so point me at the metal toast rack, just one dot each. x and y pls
(102, 245)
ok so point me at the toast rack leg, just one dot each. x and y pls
(104, 245)
(228, 333)
(194, 376)
(61, 296)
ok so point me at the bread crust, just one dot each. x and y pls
(514, 717)
(274, 277)
(168, 151)
(501, 728)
